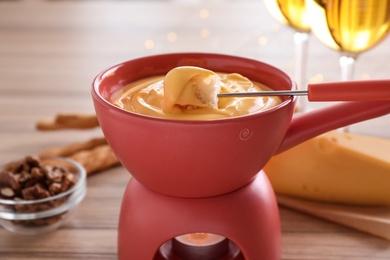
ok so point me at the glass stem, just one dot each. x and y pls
(347, 66)
(301, 42)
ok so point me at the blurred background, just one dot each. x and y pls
(93, 35)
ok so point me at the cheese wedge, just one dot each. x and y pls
(335, 167)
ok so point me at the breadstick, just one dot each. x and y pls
(73, 148)
(96, 159)
(69, 121)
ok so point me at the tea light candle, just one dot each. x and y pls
(204, 246)
(200, 239)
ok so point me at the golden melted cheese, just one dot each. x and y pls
(189, 93)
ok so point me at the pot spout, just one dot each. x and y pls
(308, 125)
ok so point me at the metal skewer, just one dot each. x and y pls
(266, 93)
(363, 90)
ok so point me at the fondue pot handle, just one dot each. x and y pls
(358, 90)
(308, 125)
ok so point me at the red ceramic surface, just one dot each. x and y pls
(210, 157)
(357, 90)
(249, 217)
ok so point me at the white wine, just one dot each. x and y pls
(289, 12)
(349, 26)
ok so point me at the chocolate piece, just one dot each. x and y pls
(30, 179)
(9, 180)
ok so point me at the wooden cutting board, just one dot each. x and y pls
(372, 220)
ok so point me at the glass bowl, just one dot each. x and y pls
(30, 217)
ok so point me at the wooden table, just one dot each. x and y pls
(51, 50)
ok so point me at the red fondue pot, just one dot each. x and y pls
(206, 158)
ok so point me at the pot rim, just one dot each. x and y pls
(96, 93)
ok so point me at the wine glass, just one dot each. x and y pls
(350, 27)
(293, 13)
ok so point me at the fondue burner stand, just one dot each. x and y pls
(242, 224)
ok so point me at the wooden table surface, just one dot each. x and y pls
(51, 50)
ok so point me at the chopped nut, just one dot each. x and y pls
(36, 173)
(33, 161)
(55, 188)
(24, 177)
(35, 192)
(69, 181)
(54, 175)
(8, 179)
(7, 192)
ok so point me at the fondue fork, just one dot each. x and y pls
(363, 90)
